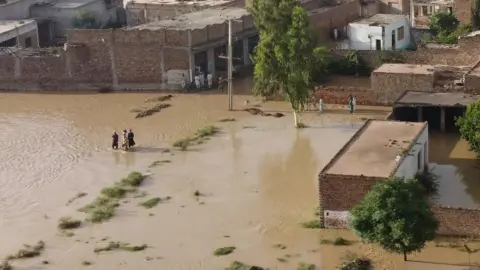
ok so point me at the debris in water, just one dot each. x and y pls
(159, 99)
(255, 111)
(157, 108)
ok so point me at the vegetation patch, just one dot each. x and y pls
(224, 251)
(103, 208)
(279, 246)
(301, 125)
(200, 136)
(68, 223)
(86, 263)
(311, 224)
(158, 162)
(227, 120)
(429, 182)
(306, 266)
(150, 203)
(151, 111)
(159, 99)
(338, 241)
(236, 265)
(120, 246)
(5, 265)
(28, 251)
(78, 196)
(353, 262)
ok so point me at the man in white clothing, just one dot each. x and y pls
(209, 80)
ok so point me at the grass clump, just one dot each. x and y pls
(134, 179)
(120, 246)
(206, 131)
(339, 241)
(150, 203)
(116, 191)
(236, 265)
(67, 223)
(301, 125)
(28, 251)
(78, 196)
(306, 266)
(311, 224)
(182, 144)
(87, 263)
(224, 251)
(353, 262)
(227, 120)
(5, 265)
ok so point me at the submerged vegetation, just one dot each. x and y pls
(28, 251)
(67, 223)
(103, 207)
(150, 203)
(353, 262)
(120, 246)
(224, 251)
(200, 136)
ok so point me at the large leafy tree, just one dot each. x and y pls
(396, 215)
(284, 57)
(469, 126)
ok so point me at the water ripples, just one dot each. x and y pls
(35, 150)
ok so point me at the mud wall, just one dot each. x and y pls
(457, 221)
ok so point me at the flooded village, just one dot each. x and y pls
(211, 188)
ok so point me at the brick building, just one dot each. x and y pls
(379, 150)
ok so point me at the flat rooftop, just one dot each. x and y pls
(433, 2)
(10, 25)
(418, 98)
(211, 3)
(405, 69)
(380, 19)
(196, 20)
(375, 149)
(63, 4)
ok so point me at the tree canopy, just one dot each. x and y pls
(284, 57)
(469, 126)
(396, 215)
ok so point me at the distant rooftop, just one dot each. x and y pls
(405, 68)
(380, 19)
(63, 4)
(418, 98)
(196, 20)
(211, 3)
(433, 2)
(10, 25)
(375, 149)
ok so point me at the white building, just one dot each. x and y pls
(379, 32)
(22, 33)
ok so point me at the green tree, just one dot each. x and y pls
(442, 22)
(284, 56)
(469, 126)
(396, 215)
(85, 20)
(476, 15)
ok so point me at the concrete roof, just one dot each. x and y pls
(9, 25)
(196, 20)
(64, 4)
(405, 69)
(375, 149)
(418, 98)
(380, 19)
(182, 3)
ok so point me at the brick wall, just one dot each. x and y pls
(463, 10)
(457, 221)
(389, 86)
(342, 192)
(324, 19)
(340, 95)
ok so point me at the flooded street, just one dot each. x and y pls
(258, 177)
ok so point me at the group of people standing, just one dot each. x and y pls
(127, 139)
(201, 79)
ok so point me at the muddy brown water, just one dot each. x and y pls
(259, 176)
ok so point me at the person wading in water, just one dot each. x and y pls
(130, 137)
(115, 140)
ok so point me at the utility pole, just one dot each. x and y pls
(230, 67)
(229, 58)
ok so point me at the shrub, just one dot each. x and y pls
(66, 223)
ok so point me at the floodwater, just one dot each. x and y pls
(458, 170)
(259, 178)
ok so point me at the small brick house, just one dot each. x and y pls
(379, 150)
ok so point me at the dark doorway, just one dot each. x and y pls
(394, 39)
(451, 115)
(9, 43)
(201, 60)
(378, 44)
(407, 114)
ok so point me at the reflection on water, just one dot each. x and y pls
(458, 171)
